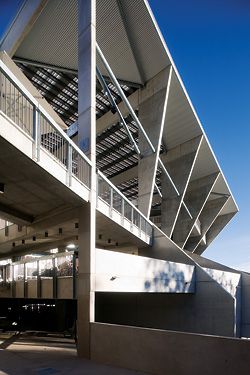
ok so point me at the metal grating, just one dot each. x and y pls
(114, 152)
(60, 89)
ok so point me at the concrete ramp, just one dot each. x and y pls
(161, 352)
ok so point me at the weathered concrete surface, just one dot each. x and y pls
(165, 352)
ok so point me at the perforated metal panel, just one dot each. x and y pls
(53, 38)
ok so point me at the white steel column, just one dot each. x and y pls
(179, 163)
(87, 143)
(152, 110)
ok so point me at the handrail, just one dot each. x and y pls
(40, 108)
(122, 195)
(133, 216)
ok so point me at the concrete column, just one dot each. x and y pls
(87, 142)
(179, 162)
(195, 198)
(208, 215)
(152, 110)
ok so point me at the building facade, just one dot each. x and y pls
(102, 152)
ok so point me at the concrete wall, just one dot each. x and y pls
(19, 289)
(65, 287)
(245, 302)
(162, 352)
(46, 288)
(31, 288)
(118, 272)
(210, 310)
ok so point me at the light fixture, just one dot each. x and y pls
(71, 246)
(1, 187)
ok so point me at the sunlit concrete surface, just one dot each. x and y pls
(48, 355)
(103, 154)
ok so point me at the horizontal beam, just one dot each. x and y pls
(15, 216)
(36, 247)
(62, 69)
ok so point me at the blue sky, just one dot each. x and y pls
(210, 44)
(8, 10)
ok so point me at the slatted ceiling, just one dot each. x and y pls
(114, 151)
(61, 91)
(130, 188)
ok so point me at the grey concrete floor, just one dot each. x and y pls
(48, 355)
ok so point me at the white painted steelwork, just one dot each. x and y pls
(112, 203)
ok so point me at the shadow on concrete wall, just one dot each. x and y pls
(170, 277)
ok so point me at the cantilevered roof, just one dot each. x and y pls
(134, 47)
(125, 31)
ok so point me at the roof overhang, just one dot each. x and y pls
(129, 36)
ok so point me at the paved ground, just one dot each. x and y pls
(47, 355)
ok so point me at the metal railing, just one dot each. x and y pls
(24, 110)
(119, 203)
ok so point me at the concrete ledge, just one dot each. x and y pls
(167, 352)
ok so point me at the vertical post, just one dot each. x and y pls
(111, 201)
(87, 143)
(54, 278)
(132, 220)
(123, 211)
(74, 276)
(38, 281)
(139, 225)
(13, 284)
(25, 291)
(69, 164)
(36, 134)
